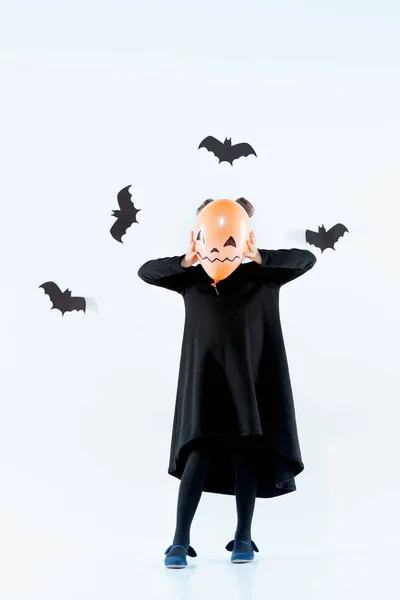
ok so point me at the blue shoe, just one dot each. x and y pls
(243, 551)
(177, 558)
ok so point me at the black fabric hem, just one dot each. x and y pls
(275, 470)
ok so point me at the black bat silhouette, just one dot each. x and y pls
(324, 239)
(63, 300)
(225, 151)
(126, 216)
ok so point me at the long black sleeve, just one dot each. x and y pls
(283, 266)
(165, 272)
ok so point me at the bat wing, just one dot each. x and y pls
(239, 150)
(213, 145)
(124, 199)
(336, 232)
(134, 213)
(77, 303)
(55, 294)
(119, 228)
(313, 238)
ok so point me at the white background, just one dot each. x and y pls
(99, 95)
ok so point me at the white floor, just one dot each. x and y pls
(103, 573)
(89, 518)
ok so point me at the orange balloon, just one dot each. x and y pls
(221, 234)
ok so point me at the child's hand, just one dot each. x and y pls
(253, 253)
(191, 255)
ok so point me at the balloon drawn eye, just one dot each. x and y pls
(230, 242)
(200, 236)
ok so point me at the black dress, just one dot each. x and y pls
(234, 378)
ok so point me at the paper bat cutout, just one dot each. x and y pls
(225, 151)
(63, 300)
(324, 239)
(126, 216)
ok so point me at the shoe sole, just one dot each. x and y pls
(242, 560)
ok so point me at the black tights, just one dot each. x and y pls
(191, 487)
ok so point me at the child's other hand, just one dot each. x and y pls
(191, 255)
(253, 253)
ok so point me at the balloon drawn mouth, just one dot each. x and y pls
(216, 258)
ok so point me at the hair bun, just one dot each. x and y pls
(248, 207)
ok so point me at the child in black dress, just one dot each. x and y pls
(234, 429)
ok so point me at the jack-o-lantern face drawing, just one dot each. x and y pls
(221, 234)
